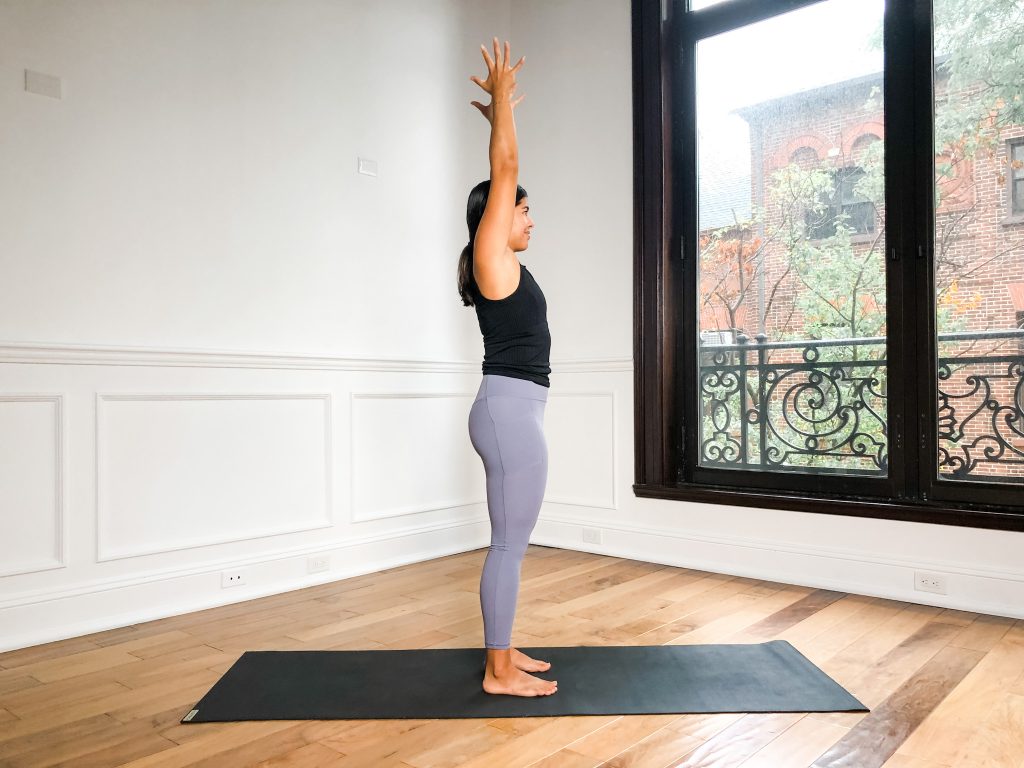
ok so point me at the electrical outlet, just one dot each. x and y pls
(234, 578)
(592, 535)
(930, 582)
(318, 563)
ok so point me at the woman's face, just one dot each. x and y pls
(519, 238)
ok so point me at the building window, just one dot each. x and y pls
(842, 204)
(1016, 177)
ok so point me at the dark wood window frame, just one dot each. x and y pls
(664, 316)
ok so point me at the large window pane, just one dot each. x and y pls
(979, 238)
(792, 371)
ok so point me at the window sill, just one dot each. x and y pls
(1010, 221)
(1011, 519)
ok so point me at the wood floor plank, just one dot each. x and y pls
(952, 722)
(983, 633)
(739, 741)
(854, 628)
(314, 755)
(219, 743)
(798, 746)
(875, 682)
(807, 606)
(44, 736)
(872, 741)
(97, 750)
(186, 687)
(552, 735)
(739, 621)
(999, 741)
(592, 604)
(37, 653)
(461, 742)
(14, 680)
(902, 761)
(855, 667)
(829, 617)
(182, 662)
(620, 734)
(33, 702)
(664, 745)
(277, 743)
(566, 758)
(378, 743)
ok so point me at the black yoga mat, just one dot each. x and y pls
(592, 680)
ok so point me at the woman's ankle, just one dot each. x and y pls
(499, 659)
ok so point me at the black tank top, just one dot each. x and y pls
(517, 341)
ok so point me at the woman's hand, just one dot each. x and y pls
(501, 79)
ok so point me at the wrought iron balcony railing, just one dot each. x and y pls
(820, 405)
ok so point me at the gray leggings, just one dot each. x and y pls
(506, 427)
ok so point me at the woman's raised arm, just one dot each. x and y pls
(491, 243)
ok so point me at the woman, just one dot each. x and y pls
(507, 417)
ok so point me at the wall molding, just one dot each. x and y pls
(60, 533)
(105, 555)
(95, 354)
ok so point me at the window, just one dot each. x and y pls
(1015, 177)
(842, 204)
(819, 325)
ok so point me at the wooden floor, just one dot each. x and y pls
(946, 688)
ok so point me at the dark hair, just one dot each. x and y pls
(474, 212)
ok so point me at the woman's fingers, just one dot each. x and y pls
(499, 61)
(497, 67)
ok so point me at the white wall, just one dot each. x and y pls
(196, 185)
(222, 348)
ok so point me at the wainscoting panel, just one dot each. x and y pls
(580, 428)
(32, 536)
(178, 471)
(411, 453)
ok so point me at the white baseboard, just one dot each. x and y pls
(969, 588)
(99, 606)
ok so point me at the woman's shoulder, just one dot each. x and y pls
(504, 281)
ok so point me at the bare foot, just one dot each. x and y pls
(525, 663)
(516, 682)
